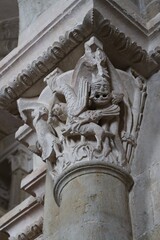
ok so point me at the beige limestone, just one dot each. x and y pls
(145, 169)
(77, 124)
(51, 224)
(20, 220)
(93, 201)
(42, 32)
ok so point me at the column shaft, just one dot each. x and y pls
(93, 201)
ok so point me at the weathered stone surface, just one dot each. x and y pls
(151, 9)
(80, 132)
(152, 235)
(34, 183)
(51, 226)
(93, 203)
(118, 25)
(23, 221)
(81, 118)
(29, 11)
(145, 168)
(148, 143)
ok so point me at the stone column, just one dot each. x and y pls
(21, 165)
(86, 123)
(93, 201)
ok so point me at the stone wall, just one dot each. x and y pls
(146, 167)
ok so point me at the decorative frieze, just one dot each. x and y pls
(31, 232)
(93, 23)
(28, 219)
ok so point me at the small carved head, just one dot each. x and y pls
(100, 94)
(40, 112)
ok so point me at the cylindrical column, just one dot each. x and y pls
(93, 200)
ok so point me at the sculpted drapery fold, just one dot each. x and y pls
(90, 113)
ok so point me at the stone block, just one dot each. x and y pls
(141, 204)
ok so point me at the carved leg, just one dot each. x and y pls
(82, 138)
(94, 129)
(117, 141)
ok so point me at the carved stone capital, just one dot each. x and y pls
(86, 123)
(91, 113)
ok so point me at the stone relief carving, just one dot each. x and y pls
(90, 113)
(31, 232)
(93, 22)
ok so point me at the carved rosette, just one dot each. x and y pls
(91, 113)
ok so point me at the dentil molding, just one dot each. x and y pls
(93, 24)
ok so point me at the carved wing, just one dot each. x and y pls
(82, 97)
(27, 108)
(75, 103)
(51, 79)
(69, 94)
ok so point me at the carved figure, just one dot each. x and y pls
(48, 144)
(92, 112)
(96, 105)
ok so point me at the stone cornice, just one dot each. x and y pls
(31, 232)
(15, 214)
(34, 183)
(32, 227)
(93, 23)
